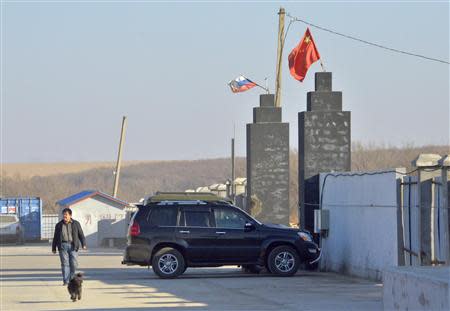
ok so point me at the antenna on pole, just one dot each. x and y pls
(119, 156)
(281, 15)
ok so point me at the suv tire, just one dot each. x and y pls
(283, 261)
(168, 263)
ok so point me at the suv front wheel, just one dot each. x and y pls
(168, 263)
(283, 261)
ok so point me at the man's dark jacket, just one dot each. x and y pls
(77, 236)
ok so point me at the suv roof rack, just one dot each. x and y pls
(186, 196)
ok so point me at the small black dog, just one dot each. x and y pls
(74, 287)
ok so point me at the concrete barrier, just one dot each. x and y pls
(416, 288)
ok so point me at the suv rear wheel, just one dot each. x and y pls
(168, 263)
(283, 261)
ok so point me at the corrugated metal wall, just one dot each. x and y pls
(48, 225)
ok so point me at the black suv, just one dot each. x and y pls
(172, 232)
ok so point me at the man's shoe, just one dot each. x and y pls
(64, 284)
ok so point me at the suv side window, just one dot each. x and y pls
(141, 214)
(229, 218)
(164, 216)
(191, 218)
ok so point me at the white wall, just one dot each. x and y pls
(89, 211)
(362, 239)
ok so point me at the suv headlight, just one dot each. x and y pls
(304, 236)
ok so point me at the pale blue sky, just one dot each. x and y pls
(71, 70)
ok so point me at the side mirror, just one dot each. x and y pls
(249, 227)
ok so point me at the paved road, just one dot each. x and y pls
(30, 280)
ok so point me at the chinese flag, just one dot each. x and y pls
(303, 56)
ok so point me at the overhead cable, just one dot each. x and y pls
(296, 19)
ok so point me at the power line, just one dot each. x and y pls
(296, 19)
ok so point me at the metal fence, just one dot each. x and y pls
(48, 225)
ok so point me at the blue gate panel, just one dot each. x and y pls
(29, 211)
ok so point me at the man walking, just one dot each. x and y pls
(67, 239)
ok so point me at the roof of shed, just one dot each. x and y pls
(88, 194)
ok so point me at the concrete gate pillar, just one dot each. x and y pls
(427, 165)
(324, 143)
(445, 179)
(268, 163)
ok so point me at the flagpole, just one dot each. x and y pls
(281, 14)
(264, 88)
(266, 79)
(321, 65)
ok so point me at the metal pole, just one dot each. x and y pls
(232, 169)
(281, 15)
(119, 156)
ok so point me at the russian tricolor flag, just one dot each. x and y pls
(241, 84)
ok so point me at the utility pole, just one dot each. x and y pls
(232, 169)
(281, 15)
(119, 156)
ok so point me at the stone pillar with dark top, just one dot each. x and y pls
(324, 143)
(268, 163)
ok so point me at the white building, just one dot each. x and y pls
(240, 185)
(202, 189)
(91, 206)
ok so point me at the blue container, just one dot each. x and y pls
(29, 211)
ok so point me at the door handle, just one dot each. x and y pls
(220, 232)
(184, 232)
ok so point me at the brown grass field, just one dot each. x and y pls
(28, 170)
(55, 181)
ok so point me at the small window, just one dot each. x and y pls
(164, 216)
(196, 219)
(228, 218)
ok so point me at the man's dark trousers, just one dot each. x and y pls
(69, 261)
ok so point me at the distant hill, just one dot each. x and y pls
(136, 180)
(28, 170)
(53, 182)
(375, 157)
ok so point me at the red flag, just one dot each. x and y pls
(303, 56)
